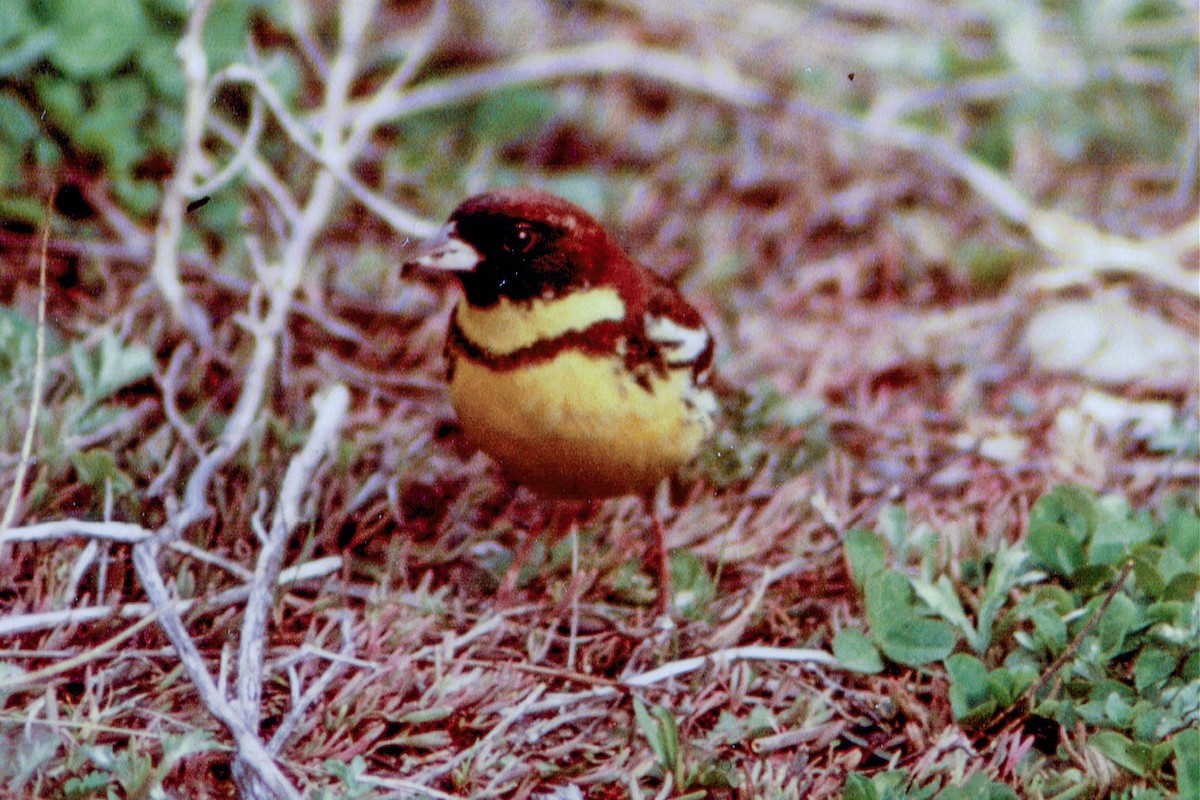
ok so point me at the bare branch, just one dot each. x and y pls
(331, 411)
(66, 528)
(165, 266)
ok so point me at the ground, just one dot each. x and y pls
(946, 539)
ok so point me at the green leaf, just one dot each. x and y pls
(893, 525)
(225, 32)
(17, 124)
(16, 21)
(110, 127)
(1153, 666)
(1054, 548)
(920, 642)
(888, 599)
(1118, 749)
(1115, 535)
(978, 787)
(669, 736)
(691, 585)
(140, 197)
(95, 36)
(1009, 681)
(970, 693)
(1006, 573)
(88, 785)
(1146, 573)
(1183, 533)
(943, 600)
(114, 367)
(902, 635)
(18, 346)
(856, 652)
(866, 554)
(1118, 709)
(1187, 762)
(24, 52)
(1182, 587)
(1050, 628)
(859, 787)
(1117, 621)
(96, 467)
(156, 56)
(184, 745)
(513, 113)
(663, 743)
(1068, 506)
(62, 99)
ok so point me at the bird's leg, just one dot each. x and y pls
(664, 606)
(572, 642)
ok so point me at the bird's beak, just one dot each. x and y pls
(445, 251)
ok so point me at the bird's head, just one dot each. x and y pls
(520, 244)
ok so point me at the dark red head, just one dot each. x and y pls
(522, 244)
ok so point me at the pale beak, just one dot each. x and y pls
(445, 251)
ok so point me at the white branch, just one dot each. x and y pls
(331, 412)
(66, 528)
(749, 653)
(167, 234)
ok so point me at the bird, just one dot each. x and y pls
(582, 373)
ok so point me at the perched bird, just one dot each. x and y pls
(580, 372)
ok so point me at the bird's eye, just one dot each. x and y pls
(520, 239)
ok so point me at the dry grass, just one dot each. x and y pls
(887, 371)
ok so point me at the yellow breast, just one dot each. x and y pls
(576, 424)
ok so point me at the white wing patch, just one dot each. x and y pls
(683, 344)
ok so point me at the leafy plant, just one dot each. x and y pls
(661, 732)
(136, 771)
(898, 785)
(899, 626)
(1093, 621)
(102, 77)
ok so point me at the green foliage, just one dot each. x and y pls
(856, 652)
(897, 785)
(661, 731)
(461, 133)
(98, 468)
(1127, 657)
(18, 347)
(134, 769)
(112, 367)
(92, 37)
(900, 624)
(1069, 95)
(693, 588)
(25, 750)
(70, 408)
(103, 76)
(899, 627)
(986, 262)
(351, 777)
(1186, 744)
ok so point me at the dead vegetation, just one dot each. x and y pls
(248, 547)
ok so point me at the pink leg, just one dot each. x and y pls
(664, 606)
